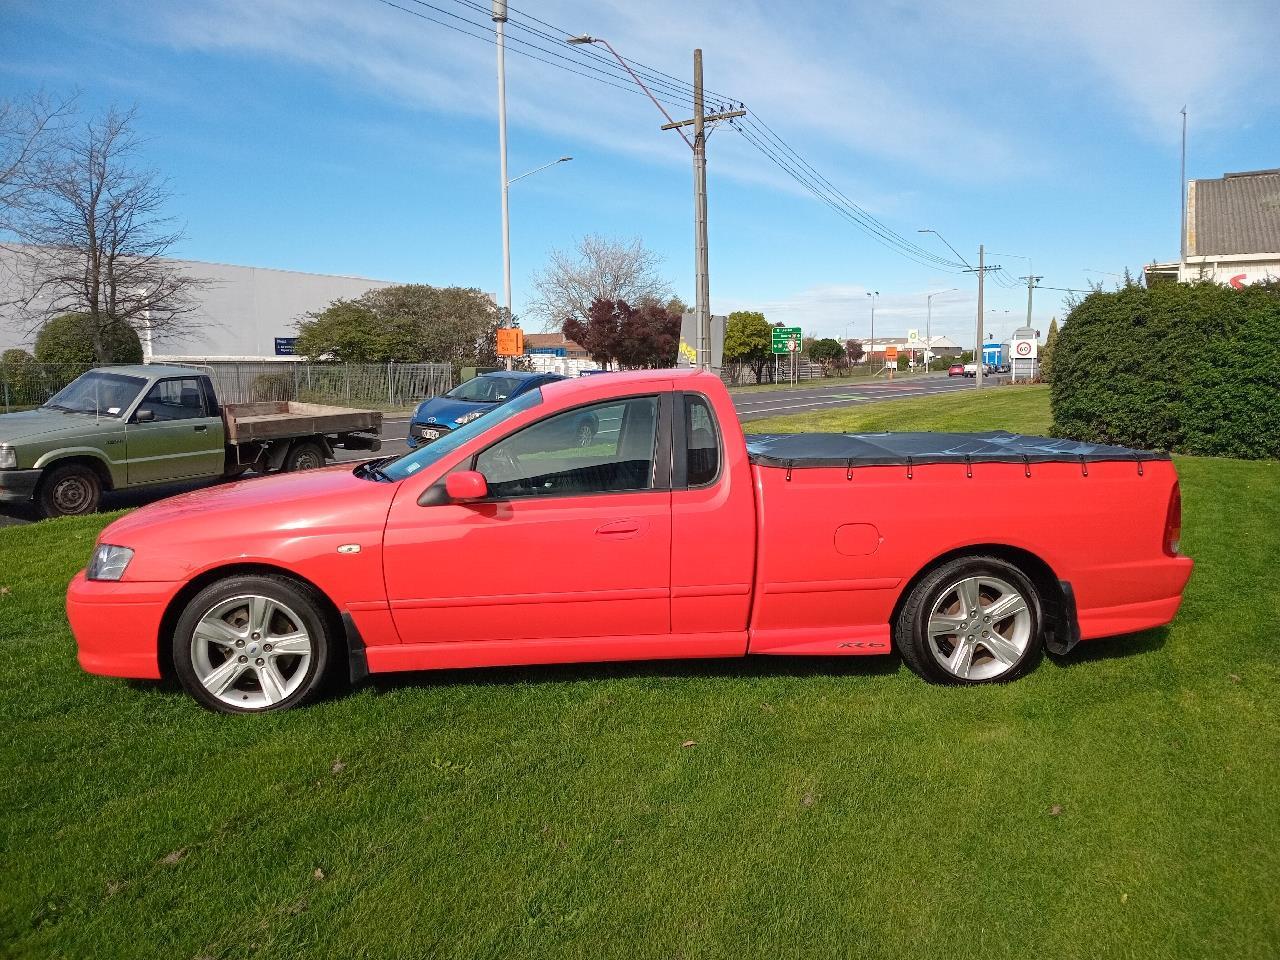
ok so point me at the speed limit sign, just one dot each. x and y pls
(1025, 349)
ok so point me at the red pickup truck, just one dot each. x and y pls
(670, 535)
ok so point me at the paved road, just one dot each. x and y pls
(751, 405)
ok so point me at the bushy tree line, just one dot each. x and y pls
(409, 323)
(1193, 368)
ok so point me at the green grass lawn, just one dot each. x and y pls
(1125, 803)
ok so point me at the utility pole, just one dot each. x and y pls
(703, 297)
(702, 268)
(1032, 280)
(871, 346)
(1182, 189)
(702, 309)
(499, 19)
(981, 270)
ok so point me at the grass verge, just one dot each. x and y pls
(1120, 804)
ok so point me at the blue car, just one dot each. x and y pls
(473, 399)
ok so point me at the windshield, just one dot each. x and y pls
(97, 392)
(415, 460)
(485, 389)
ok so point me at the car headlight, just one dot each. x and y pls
(109, 562)
(8, 457)
(468, 417)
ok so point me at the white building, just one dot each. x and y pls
(244, 313)
(1233, 231)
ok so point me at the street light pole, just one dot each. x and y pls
(871, 353)
(928, 327)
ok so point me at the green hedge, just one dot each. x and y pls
(1189, 368)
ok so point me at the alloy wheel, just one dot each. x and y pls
(251, 652)
(979, 628)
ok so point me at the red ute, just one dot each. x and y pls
(508, 542)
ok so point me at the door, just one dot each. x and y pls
(573, 541)
(171, 436)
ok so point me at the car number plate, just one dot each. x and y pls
(426, 433)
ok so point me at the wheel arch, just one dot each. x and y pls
(179, 601)
(83, 459)
(1058, 607)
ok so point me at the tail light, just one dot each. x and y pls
(1173, 522)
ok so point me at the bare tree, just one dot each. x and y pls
(598, 269)
(29, 131)
(96, 237)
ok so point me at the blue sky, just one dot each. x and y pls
(342, 136)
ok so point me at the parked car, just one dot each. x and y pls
(505, 542)
(471, 400)
(956, 370)
(130, 426)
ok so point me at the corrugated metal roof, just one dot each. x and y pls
(1237, 214)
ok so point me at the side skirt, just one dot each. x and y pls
(448, 655)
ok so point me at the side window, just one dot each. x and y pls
(605, 448)
(702, 439)
(174, 400)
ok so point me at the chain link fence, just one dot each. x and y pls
(383, 386)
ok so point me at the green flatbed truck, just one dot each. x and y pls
(117, 428)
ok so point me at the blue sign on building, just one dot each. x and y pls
(284, 346)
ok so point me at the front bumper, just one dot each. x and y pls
(416, 439)
(117, 625)
(18, 486)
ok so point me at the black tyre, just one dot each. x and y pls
(69, 490)
(304, 455)
(250, 644)
(973, 620)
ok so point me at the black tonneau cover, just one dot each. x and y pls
(798, 450)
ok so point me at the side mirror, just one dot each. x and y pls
(144, 416)
(466, 485)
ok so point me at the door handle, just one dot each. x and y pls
(201, 428)
(620, 529)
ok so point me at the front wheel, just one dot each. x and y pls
(71, 490)
(973, 620)
(249, 644)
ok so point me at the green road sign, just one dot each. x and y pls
(784, 337)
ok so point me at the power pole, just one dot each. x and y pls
(1182, 189)
(1031, 285)
(702, 307)
(703, 297)
(981, 270)
(499, 19)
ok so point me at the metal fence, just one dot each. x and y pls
(386, 386)
(740, 374)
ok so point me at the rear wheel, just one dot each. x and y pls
(973, 620)
(249, 644)
(70, 490)
(304, 455)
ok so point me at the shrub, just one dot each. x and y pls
(1189, 368)
(69, 339)
(272, 386)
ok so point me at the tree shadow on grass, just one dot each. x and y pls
(1114, 648)
(717, 669)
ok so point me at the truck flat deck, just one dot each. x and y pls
(277, 419)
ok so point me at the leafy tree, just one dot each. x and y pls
(748, 339)
(70, 339)
(854, 351)
(1046, 352)
(597, 269)
(644, 337)
(409, 323)
(827, 352)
